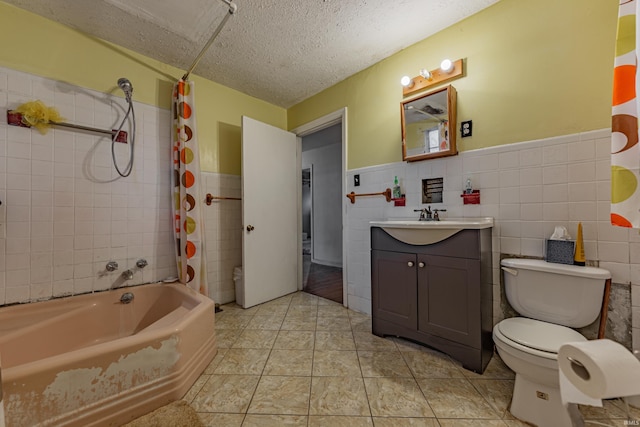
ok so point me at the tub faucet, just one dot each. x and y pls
(126, 298)
(127, 275)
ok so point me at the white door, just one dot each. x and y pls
(269, 212)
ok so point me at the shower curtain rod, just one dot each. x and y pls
(232, 9)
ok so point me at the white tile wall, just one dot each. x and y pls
(528, 187)
(65, 212)
(223, 235)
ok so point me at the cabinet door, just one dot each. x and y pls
(449, 298)
(393, 293)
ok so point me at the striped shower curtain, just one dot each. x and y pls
(189, 227)
(625, 154)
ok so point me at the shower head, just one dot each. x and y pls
(127, 88)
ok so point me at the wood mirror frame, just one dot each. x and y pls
(435, 135)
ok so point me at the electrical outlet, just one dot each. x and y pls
(356, 180)
(466, 128)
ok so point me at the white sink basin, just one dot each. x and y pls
(416, 232)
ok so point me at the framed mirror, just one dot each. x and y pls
(429, 125)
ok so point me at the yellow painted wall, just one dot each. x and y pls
(42, 47)
(534, 69)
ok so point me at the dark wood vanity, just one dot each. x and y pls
(437, 294)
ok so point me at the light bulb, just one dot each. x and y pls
(405, 81)
(446, 65)
(425, 74)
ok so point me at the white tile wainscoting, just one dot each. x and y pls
(528, 187)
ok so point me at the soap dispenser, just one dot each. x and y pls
(397, 191)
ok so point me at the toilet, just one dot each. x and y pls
(551, 300)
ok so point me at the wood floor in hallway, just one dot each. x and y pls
(323, 281)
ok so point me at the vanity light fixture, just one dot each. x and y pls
(448, 70)
(406, 81)
(446, 65)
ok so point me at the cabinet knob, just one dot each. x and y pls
(410, 263)
(421, 264)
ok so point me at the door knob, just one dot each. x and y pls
(410, 263)
(250, 227)
(421, 264)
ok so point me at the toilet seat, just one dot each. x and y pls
(536, 337)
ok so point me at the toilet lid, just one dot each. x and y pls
(539, 335)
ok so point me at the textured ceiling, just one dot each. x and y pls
(281, 51)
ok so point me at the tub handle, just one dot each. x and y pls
(510, 270)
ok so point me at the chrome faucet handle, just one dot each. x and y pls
(111, 266)
(141, 263)
(436, 215)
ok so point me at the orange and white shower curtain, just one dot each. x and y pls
(189, 227)
(625, 151)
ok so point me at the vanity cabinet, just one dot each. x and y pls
(438, 294)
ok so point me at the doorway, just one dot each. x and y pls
(322, 213)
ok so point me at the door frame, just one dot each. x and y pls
(338, 116)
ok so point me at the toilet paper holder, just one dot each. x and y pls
(578, 368)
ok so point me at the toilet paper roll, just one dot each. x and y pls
(601, 369)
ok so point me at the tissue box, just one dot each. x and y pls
(560, 251)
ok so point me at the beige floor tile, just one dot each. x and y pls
(516, 423)
(610, 410)
(303, 311)
(226, 393)
(255, 338)
(473, 423)
(243, 361)
(196, 387)
(360, 324)
(396, 397)
(497, 392)
(327, 323)
(303, 298)
(231, 321)
(339, 421)
(404, 422)
(235, 309)
(332, 310)
(271, 322)
(337, 340)
(270, 310)
(298, 324)
(431, 364)
(253, 420)
(406, 345)
(496, 370)
(226, 337)
(217, 420)
(295, 340)
(289, 362)
(336, 363)
(456, 398)
(284, 300)
(338, 396)
(281, 395)
(383, 364)
(368, 341)
(216, 361)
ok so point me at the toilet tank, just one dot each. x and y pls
(567, 295)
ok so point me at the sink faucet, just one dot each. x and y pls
(425, 214)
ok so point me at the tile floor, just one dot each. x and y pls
(302, 360)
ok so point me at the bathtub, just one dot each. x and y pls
(92, 360)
